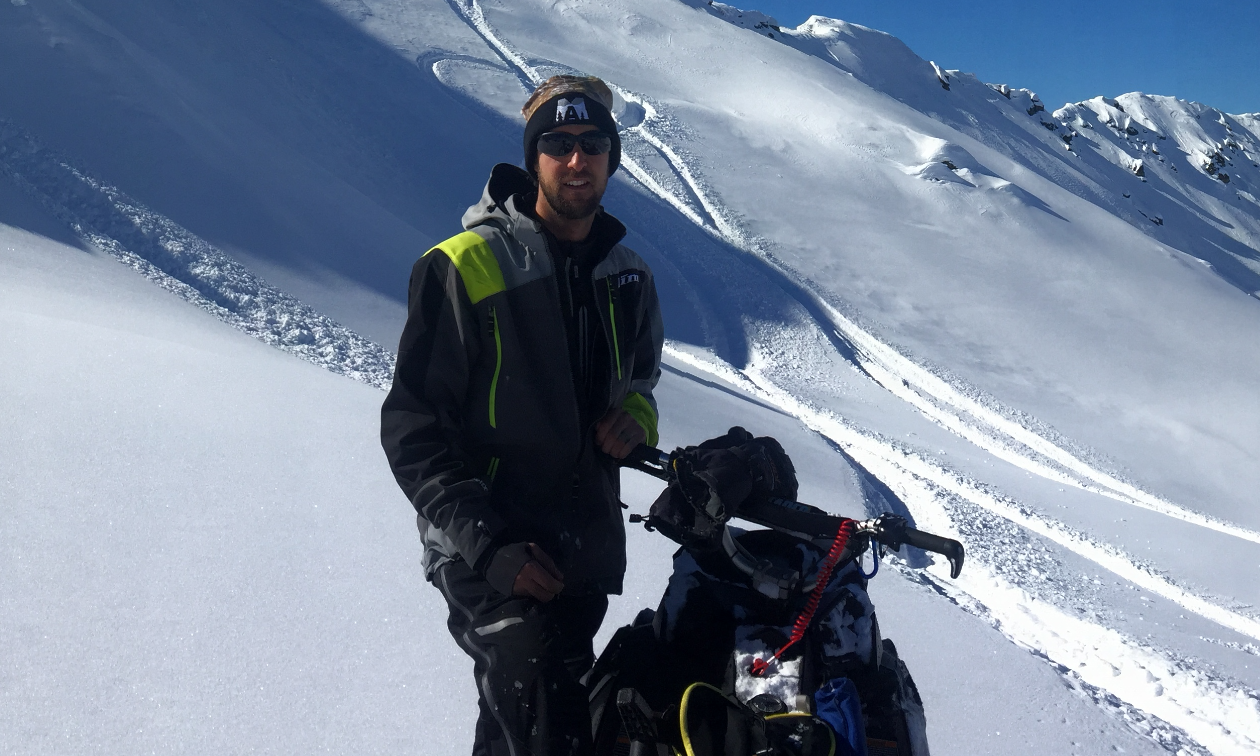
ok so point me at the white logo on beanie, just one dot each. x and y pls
(571, 110)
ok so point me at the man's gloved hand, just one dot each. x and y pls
(524, 569)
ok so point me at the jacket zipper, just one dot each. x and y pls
(559, 295)
(612, 318)
(498, 364)
(571, 274)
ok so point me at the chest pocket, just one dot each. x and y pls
(623, 290)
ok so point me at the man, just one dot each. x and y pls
(525, 372)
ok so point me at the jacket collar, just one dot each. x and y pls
(508, 202)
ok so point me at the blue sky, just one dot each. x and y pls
(1071, 50)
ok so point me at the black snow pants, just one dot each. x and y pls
(527, 659)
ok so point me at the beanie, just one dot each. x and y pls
(569, 101)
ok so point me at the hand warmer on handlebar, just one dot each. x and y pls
(710, 482)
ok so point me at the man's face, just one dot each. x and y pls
(573, 184)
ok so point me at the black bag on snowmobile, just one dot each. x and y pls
(753, 624)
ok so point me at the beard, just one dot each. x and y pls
(570, 208)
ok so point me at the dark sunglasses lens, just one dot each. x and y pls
(556, 143)
(596, 144)
(559, 144)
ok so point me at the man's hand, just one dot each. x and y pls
(524, 569)
(617, 433)
(539, 578)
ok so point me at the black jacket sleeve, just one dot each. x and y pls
(421, 419)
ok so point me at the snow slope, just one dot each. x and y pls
(177, 497)
(1033, 329)
(186, 574)
(1182, 172)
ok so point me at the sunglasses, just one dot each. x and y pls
(559, 143)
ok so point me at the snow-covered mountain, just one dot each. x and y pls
(1033, 329)
(1187, 174)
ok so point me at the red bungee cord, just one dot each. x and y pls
(847, 528)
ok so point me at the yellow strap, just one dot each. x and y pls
(682, 714)
(682, 718)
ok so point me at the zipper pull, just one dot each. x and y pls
(568, 268)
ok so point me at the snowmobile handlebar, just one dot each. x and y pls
(809, 522)
(892, 531)
(648, 459)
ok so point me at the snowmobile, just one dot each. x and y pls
(765, 641)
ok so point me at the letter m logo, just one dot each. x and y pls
(571, 110)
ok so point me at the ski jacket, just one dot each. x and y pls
(482, 426)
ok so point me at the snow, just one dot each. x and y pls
(1036, 328)
(180, 262)
(783, 681)
(178, 497)
(211, 575)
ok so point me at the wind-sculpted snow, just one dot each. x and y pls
(1183, 172)
(746, 19)
(1197, 173)
(186, 265)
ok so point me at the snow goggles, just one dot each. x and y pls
(559, 143)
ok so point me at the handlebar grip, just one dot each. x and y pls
(644, 454)
(946, 547)
(649, 460)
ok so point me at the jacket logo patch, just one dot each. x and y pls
(627, 278)
(571, 110)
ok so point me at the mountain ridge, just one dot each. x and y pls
(1125, 141)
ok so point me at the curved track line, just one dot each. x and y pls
(871, 450)
(530, 77)
(896, 370)
(649, 181)
(893, 371)
(1201, 706)
(1183, 709)
(875, 453)
(473, 15)
(932, 395)
(897, 374)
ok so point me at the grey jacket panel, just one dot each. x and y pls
(620, 259)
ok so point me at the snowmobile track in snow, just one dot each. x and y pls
(1171, 701)
(953, 407)
(1171, 737)
(992, 428)
(949, 406)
